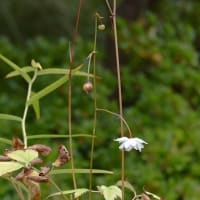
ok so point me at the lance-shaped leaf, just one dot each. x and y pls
(16, 67)
(58, 71)
(36, 107)
(23, 156)
(77, 192)
(10, 117)
(6, 141)
(10, 166)
(46, 71)
(111, 192)
(80, 171)
(126, 185)
(40, 136)
(14, 73)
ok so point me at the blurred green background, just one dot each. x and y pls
(159, 52)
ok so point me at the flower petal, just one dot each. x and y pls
(128, 144)
(122, 139)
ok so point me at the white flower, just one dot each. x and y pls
(128, 144)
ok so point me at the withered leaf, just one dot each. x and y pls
(63, 156)
(44, 171)
(4, 158)
(34, 189)
(38, 179)
(24, 173)
(36, 161)
(41, 149)
(17, 143)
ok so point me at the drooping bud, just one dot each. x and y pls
(101, 27)
(87, 87)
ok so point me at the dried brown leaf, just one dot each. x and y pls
(38, 179)
(4, 158)
(17, 143)
(63, 156)
(44, 171)
(41, 149)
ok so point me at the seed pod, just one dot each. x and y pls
(87, 87)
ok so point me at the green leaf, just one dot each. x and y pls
(23, 156)
(39, 136)
(77, 193)
(80, 171)
(16, 67)
(75, 72)
(36, 107)
(6, 141)
(48, 89)
(58, 71)
(10, 166)
(126, 185)
(111, 192)
(43, 71)
(17, 73)
(10, 117)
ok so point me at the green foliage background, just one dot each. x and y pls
(160, 79)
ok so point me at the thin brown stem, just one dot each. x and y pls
(116, 114)
(72, 50)
(113, 15)
(95, 105)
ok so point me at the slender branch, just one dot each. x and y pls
(93, 54)
(113, 14)
(109, 7)
(57, 187)
(25, 139)
(70, 92)
(17, 188)
(90, 56)
(120, 117)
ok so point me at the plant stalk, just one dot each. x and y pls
(113, 15)
(72, 52)
(23, 123)
(95, 105)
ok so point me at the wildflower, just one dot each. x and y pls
(128, 144)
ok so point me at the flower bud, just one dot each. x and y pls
(87, 87)
(101, 27)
